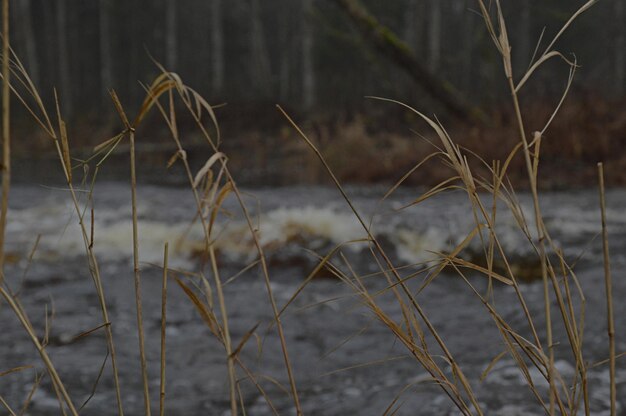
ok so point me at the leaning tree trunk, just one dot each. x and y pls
(388, 44)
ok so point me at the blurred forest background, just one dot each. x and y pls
(311, 57)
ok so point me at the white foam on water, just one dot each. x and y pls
(115, 241)
(286, 223)
(61, 235)
(309, 227)
(322, 227)
(413, 247)
(284, 231)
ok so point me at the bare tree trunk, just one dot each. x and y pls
(620, 46)
(524, 37)
(285, 78)
(387, 43)
(133, 51)
(106, 70)
(468, 45)
(63, 58)
(49, 57)
(261, 68)
(308, 69)
(171, 38)
(434, 35)
(217, 43)
(286, 46)
(27, 39)
(411, 24)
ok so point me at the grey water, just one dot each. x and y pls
(345, 361)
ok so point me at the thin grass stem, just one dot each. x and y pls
(609, 291)
(456, 370)
(54, 375)
(170, 119)
(137, 274)
(163, 324)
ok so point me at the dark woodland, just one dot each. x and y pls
(320, 59)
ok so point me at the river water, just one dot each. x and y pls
(345, 361)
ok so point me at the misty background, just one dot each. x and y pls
(309, 56)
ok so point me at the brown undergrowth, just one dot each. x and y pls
(589, 129)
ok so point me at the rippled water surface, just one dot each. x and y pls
(345, 361)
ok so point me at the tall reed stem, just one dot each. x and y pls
(609, 291)
(211, 251)
(394, 271)
(163, 322)
(541, 235)
(505, 50)
(130, 130)
(230, 359)
(137, 273)
(94, 270)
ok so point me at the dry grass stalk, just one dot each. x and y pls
(196, 105)
(163, 324)
(31, 393)
(164, 84)
(130, 130)
(95, 274)
(275, 311)
(408, 307)
(501, 41)
(56, 380)
(505, 49)
(609, 291)
(560, 396)
(214, 182)
(15, 370)
(7, 407)
(6, 181)
(65, 149)
(40, 114)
